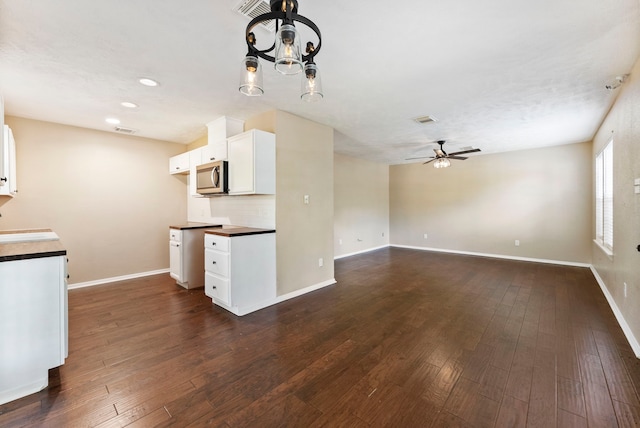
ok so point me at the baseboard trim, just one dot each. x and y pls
(115, 279)
(342, 256)
(618, 314)
(305, 290)
(496, 256)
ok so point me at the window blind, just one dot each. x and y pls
(604, 197)
(607, 209)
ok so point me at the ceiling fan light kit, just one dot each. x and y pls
(442, 163)
(288, 58)
(441, 159)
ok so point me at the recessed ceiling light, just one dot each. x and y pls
(128, 104)
(112, 120)
(148, 82)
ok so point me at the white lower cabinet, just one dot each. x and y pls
(240, 271)
(33, 324)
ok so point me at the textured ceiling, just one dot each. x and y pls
(498, 74)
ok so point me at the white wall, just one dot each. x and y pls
(108, 196)
(361, 205)
(304, 166)
(622, 123)
(540, 197)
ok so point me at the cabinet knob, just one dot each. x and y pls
(3, 179)
(214, 262)
(214, 287)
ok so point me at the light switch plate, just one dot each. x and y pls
(636, 182)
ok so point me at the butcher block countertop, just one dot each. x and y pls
(231, 231)
(29, 244)
(194, 225)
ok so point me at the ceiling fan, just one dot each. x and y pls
(442, 158)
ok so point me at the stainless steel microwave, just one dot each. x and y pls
(212, 178)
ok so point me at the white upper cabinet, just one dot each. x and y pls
(179, 164)
(214, 152)
(8, 179)
(252, 163)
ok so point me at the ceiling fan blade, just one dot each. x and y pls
(463, 152)
(457, 157)
(420, 157)
(424, 163)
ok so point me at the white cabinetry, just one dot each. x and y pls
(186, 255)
(179, 164)
(8, 181)
(252, 163)
(33, 324)
(213, 152)
(240, 271)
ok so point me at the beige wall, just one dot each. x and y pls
(361, 205)
(622, 123)
(109, 197)
(541, 197)
(304, 166)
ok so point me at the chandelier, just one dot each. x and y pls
(287, 56)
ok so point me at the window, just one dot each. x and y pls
(604, 198)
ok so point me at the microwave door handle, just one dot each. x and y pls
(215, 177)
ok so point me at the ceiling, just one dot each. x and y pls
(497, 74)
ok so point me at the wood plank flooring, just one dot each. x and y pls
(405, 339)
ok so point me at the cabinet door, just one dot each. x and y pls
(241, 168)
(214, 152)
(175, 261)
(179, 164)
(8, 186)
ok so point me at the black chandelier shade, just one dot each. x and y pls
(285, 52)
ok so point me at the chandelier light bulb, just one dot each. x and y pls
(311, 84)
(288, 59)
(251, 77)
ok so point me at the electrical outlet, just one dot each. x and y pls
(340, 241)
(306, 199)
(425, 236)
(320, 262)
(517, 242)
(625, 290)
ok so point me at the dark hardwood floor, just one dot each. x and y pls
(405, 339)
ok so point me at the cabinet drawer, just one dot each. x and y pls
(216, 262)
(215, 242)
(175, 235)
(217, 288)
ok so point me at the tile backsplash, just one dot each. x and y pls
(251, 210)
